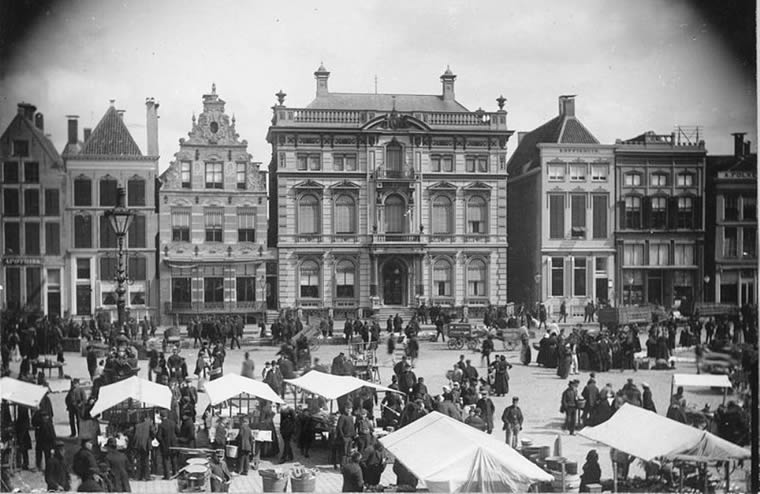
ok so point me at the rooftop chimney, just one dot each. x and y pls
(39, 121)
(73, 128)
(321, 75)
(152, 125)
(447, 81)
(87, 132)
(567, 105)
(27, 110)
(738, 144)
(121, 113)
(747, 148)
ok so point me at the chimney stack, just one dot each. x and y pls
(567, 105)
(87, 132)
(121, 113)
(321, 75)
(747, 148)
(39, 121)
(738, 144)
(73, 128)
(151, 108)
(447, 81)
(27, 111)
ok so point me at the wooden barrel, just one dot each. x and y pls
(544, 452)
(531, 450)
(572, 483)
(554, 463)
(571, 467)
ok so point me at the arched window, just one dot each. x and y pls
(308, 214)
(308, 276)
(476, 278)
(108, 191)
(442, 278)
(346, 279)
(136, 192)
(442, 217)
(476, 215)
(395, 214)
(345, 214)
(393, 157)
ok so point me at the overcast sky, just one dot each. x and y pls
(635, 66)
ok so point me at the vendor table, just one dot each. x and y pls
(50, 365)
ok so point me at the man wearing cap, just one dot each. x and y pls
(75, 398)
(141, 443)
(345, 430)
(569, 405)
(513, 420)
(220, 474)
(84, 464)
(590, 393)
(56, 472)
(646, 399)
(167, 438)
(487, 409)
(471, 373)
(118, 465)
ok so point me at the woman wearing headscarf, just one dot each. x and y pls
(592, 472)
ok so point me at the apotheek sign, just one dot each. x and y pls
(21, 261)
(737, 174)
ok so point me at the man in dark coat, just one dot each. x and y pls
(75, 398)
(590, 393)
(141, 444)
(513, 421)
(471, 373)
(84, 464)
(23, 438)
(647, 401)
(56, 472)
(487, 409)
(167, 439)
(44, 436)
(407, 380)
(569, 406)
(287, 431)
(353, 480)
(92, 361)
(186, 436)
(245, 439)
(345, 430)
(118, 465)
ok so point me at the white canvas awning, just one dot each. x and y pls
(142, 390)
(659, 436)
(331, 386)
(451, 456)
(231, 385)
(701, 381)
(21, 392)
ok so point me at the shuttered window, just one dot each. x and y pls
(578, 216)
(442, 278)
(246, 224)
(476, 215)
(345, 279)
(442, 215)
(600, 216)
(83, 231)
(180, 225)
(214, 221)
(308, 276)
(107, 235)
(136, 192)
(395, 214)
(556, 216)
(308, 214)
(476, 278)
(52, 239)
(345, 214)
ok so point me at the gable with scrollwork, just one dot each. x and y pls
(396, 121)
(203, 133)
(171, 178)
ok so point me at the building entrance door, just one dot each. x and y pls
(654, 288)
(748, 292)
(394, 283)
(601, 289)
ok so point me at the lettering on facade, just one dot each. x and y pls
(579, 150)
(21, 261)
(737, 174)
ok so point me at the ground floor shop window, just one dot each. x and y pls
(558, 276)
(213, 289)
(13, 288)
(309, 279)
(181, 290)
(633, 287)
(246, 289)
(84, 292)
(579, 277)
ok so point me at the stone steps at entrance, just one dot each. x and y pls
(383, 312)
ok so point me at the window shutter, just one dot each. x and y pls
(697, 211)
(672, 212)
(646, 217)
(621, 215)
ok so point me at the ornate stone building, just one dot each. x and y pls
(108, 159)
(32, 241)
(213, 223)
(383, 201)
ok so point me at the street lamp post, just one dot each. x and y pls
(630, 290)
(120, 218)
(537, 279)
(704, 290)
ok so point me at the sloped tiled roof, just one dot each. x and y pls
(110, 138)
(385, 102)
(561, 129)
(721, 163)
(39, 135)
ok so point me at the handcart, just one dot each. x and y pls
(461, 334)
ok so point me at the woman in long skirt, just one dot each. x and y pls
(525, 350)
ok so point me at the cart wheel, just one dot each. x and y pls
(451, 344)
(459, 343)
(314, 345)
(473, 345)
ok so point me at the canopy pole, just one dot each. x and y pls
(680, 475)
(614, 476)
(728, 475)
(725, 393)
(672, 382)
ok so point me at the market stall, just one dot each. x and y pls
(21, 392)
(126, 402)
(649, 436)
(237, 392)
(701, 381)
(450, 456)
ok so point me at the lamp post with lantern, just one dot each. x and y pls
(120, 218)
(706, 279)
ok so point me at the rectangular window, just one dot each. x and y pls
(34, 288)
(108, 268)
(684, 255)
(32, 238)
(52, 205)
(246, 225)
(315, 162)
(344, 162)
(107, 235)
(241, 175)
(749, 208)
(84, 300)
(214, 176)
(20, 148)
(658, 213)
(344, 283)
(31, 202)
(556, 173)
(600, 216)
(658, 254)
(579, 276)
(213, 289)
(136, 192)
(658, 180)
(83, 269)
(181, 290)
(556, 216)
(137, 268)
(11, 205)
(109, 192)
(632, 179)
(52, 239)
(730, 242)
(685, 212)
(632, 212)
(447, 163)
(600, 264)
(108, 298)
(10, 172)
(82, 192)
(83, 231)
(214, 222)
(186, 174)
(476, 164)
(13, 288)
(749, 242)
(578, 216)
(137, 298)
(180, 225)
(12, 239)
(31, 172)
(558, 276)
(731, 207)
(302, 162)
(599, 173)
(136, 233)
(633, 255)
(684, 180)
(246, 289)
(578, 172)
(442, 279)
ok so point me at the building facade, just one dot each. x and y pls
(660, 236)
(213, 238)
(33, 228)
(561, 221)
(731, 211)
(381, 201)
(105, 160)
